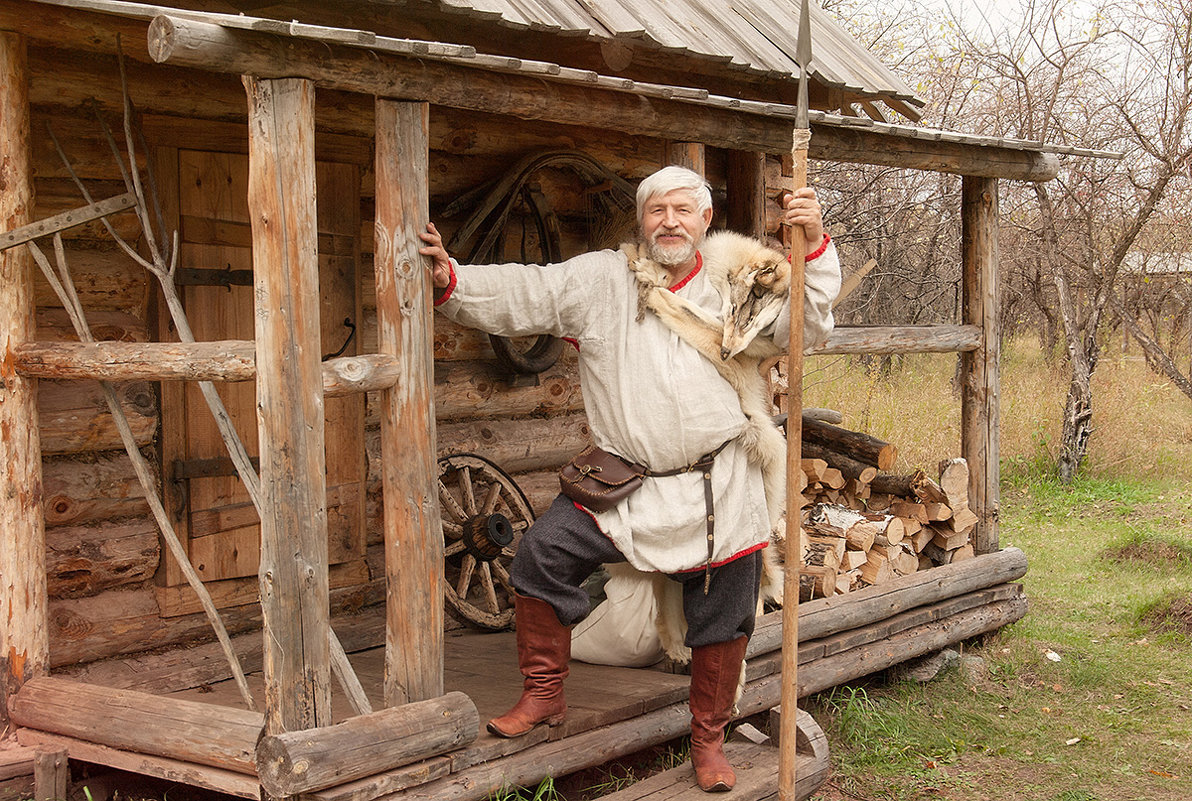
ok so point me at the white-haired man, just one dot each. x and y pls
(654, 400)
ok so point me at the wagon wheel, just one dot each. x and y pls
(485, 514)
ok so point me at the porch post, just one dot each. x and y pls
(687, 154)
(413, 527)
(24, 646)
(293, 572)
(981, 385)
(745, 184)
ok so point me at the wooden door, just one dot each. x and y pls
(212, 510)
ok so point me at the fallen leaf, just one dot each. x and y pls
(1072, 741)
(1059, 688)
(1052, 655)
(1164, 774)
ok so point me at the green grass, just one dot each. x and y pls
(1111, 720)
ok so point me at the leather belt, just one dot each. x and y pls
(703, 463)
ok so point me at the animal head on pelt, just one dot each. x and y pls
(754, 282)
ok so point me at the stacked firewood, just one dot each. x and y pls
(864, 527)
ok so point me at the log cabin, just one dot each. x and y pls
(244, 464)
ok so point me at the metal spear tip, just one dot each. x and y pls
(803, 45)
(803, 57)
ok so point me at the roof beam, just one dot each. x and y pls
(202, 45)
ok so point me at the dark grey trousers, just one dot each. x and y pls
(564, 546)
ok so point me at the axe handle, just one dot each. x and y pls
(794, 452)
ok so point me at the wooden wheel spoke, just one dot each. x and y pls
(490, 502)
(449, 503)
(466, 492)
(466, 570)
(490, 589)
(454, 548)
(502, 575)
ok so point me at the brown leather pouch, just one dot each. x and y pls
(599, 480)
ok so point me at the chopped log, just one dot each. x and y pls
(849, 467)
(936, 512)
(949, 540)
(296, 762)
(133, 721)
(907, 509)
(899, 339)
(877, 568)
(853, 559)
(888, 484)
(921, 537)
(74, 417)
(813, 468)
(855, 445)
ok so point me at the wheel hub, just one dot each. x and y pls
(486, 536)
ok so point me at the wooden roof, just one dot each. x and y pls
(755, 35)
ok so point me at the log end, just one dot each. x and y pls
(162, 35)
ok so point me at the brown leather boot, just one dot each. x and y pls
(543, 651)
(715, 672)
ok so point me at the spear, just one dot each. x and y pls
(794, 438)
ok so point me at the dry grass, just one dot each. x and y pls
(1142, 425)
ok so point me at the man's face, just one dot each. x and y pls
(672, 227)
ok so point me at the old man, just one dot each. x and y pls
(699, 515)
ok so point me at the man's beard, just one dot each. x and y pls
(674, 255)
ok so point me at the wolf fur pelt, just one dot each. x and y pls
(753, 281)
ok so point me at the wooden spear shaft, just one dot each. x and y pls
(794, 453)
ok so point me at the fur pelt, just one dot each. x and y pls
(753, 281)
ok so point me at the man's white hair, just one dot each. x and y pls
(668, 179)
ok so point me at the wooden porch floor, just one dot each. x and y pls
(484, 666)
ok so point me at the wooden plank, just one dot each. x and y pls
(412, 524)
(900, 339)
(294, 591)
(186, 773)
(206, 734)
(66, 220)
(24, 644)
(981, 384)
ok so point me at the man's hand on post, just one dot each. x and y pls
(440, 267)
(802, 208)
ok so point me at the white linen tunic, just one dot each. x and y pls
(650, 397)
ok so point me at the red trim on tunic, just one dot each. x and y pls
(815, 254)
(732, 558)
(441, 299)
(699, 263)
(574, 342)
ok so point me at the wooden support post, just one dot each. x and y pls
(686, 154)
(981, 386)
(24, 646)
(49, 775)
(413, 528)
(293, 572)
(745, 184)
